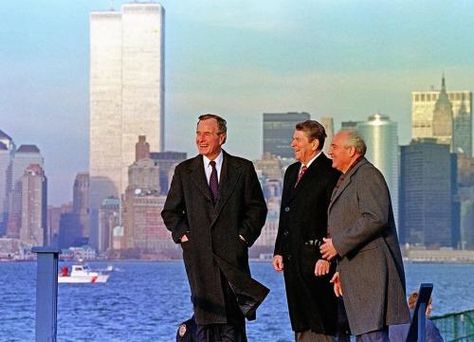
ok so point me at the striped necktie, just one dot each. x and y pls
(213, 183)
(300, 175)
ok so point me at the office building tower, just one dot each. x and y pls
(54, 221)
(109, 221)
(278, 129)
(7, 150)
(328, 123)
(126, 94)
(166, 162)
(24, 156)
(381, 137)
(349, 124)
(80, 204)
(426, 194)
(444, 115)
(143, 227)
(33, 207)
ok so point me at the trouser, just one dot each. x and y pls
(311, 336)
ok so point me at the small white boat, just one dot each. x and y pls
(81, 274)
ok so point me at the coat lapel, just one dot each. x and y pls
(345, 183)
(230, 174)
(198, 176)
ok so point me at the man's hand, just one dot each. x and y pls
(327, 249)
(277, 263)
(184, 238)
(321, 268)
(337, 284)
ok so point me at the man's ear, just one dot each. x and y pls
(315, 144)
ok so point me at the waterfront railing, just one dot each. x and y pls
(456, 327)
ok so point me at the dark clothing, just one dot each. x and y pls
(186, 331)
(221, 333)
(214, 254)
(303, 224)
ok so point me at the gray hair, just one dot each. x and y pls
(354, 139)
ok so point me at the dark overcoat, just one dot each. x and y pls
(362, 228)
(303, 217)
(214, 253)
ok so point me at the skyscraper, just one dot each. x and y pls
(426, 194)
(278, 130)
(7, 149)
(80, 203)
(445, 115)
(381, 136)
(24, 156)
(33, 229)
(328, 123)
(126, 94)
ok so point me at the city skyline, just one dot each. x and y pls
(347, 60)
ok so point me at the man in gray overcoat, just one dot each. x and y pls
(215, 209)
(363, 239)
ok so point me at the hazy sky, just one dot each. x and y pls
(346, 59)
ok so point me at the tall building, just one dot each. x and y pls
(7, 150)
(109, 220)
(144, 230)
(381, 136)
(278, 131)
(166, 162)
(24, 156)
(445, 115)
(126, 95)
(33, 229)
(80, 203)
(426, 194)
(328, 123)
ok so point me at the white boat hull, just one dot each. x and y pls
(89, 279)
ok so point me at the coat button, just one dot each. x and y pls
(285, 233)
(287, 209)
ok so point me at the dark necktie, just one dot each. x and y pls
(213, 183)
(300, 175)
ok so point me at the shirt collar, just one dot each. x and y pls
(219, 159)
(308, 164)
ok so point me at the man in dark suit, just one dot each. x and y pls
(307, 190)
(215, 209)
(370, 275)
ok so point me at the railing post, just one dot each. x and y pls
(46, 293)
(422, 322)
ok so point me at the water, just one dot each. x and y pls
(145, 301)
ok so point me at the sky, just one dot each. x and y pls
(345, 59)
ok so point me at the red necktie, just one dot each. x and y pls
(213, 183)
(300, 175)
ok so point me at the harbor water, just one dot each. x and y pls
(145, 301)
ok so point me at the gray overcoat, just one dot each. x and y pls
(214, 253)
(362, 227)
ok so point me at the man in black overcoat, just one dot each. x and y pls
(216, 210)
(307, 189)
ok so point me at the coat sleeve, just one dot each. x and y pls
(255, 208)
(373, 212)
(174, 210)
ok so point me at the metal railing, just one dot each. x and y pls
(457, 326)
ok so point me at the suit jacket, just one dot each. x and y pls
(362, 228)
(303, 216)
(215, 254)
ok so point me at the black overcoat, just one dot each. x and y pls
(303, 217)
(214, 253)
